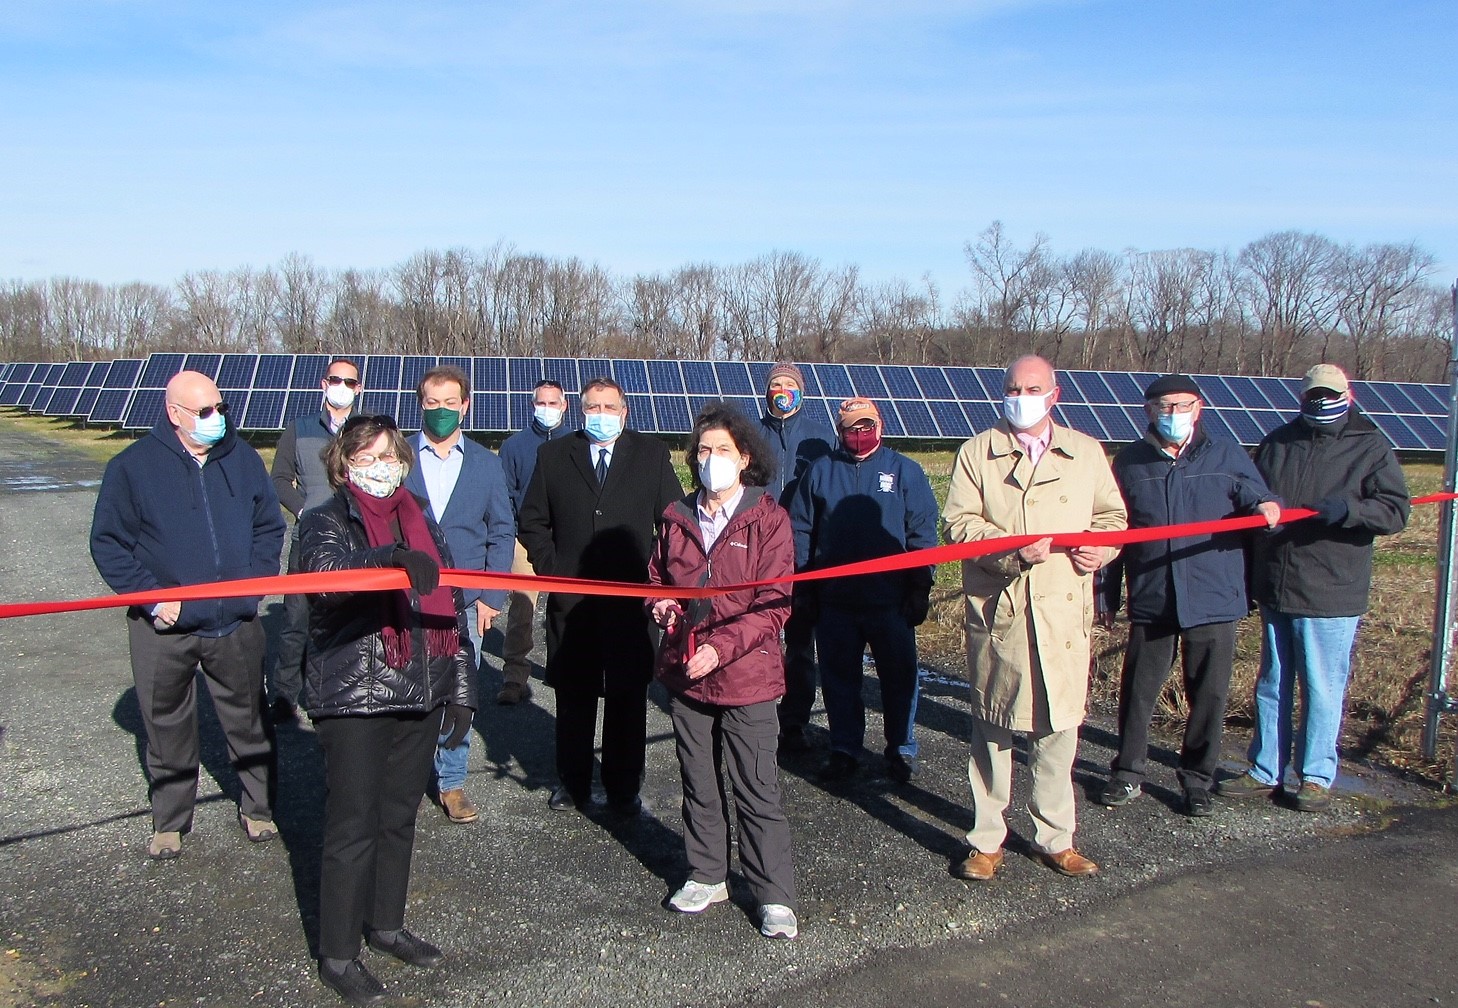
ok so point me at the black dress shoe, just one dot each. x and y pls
(407, 948)
(625, 808)
(839, 766)
(354, 983)
(562, 800)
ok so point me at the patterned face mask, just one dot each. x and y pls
(378, 480)
(1324, 411)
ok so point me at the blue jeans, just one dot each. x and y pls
(841, 636)
(450, 764)
(1317, 651)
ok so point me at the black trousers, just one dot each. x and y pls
(288, 670)
(624, 740)
(1207, 655)
(745, 740)
(164, 668)
(799, 698)
(376, 769)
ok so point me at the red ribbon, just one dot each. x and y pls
(389, 578)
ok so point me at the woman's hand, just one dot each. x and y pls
(666, 613)
(704, 661)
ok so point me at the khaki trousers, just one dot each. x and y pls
(989, 769)
(521, 611)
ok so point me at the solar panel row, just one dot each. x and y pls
(269, 391)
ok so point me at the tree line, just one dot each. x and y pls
(1280, 304)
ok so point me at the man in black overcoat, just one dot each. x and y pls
(590, 512)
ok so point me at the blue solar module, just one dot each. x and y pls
(835, 382)
(759, 375)
(273, 372)
(1247, 393)
(159, 369)
(63, 402)
(85, 402)
(302, 404)
(1234, 424)
(933, 383)
(1091, 384)
(412, 369)
(1283, 393)
(917, 418)
(146, 408)
(376, 403)
(122, 374)
(890, 418)
(632, 375)
(488, 375)
(824, 410)
(1081, 417)
(10, 395)
(28, 392)
(748, 405)
(867, 381)
(951, 421)
(594, 367)
(563, 371)
(673, 413)
(1432, 435)
(1117, 423)
(734, 378)
(899, 382)
(523, 373)
(309, 371)
(993, 380)
(1069, 392)
(1428, 398)
(664, 377)
(203, 363)
(381, 371)
(981, 415)
(812, 383)
(1216, 393)
(1268, 420)
(696, 403)
(640, 414)
(42, 401)
(407, 411)
(699, 378)
(1398, 432)
(489, 412)
(520, 409)
(264, 410)
(236, 371)
(111, 405)
(1124, 387)
(74, 375)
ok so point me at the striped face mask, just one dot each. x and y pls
(1324, 411)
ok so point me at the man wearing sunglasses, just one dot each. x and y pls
(301, 482)
(191, 503)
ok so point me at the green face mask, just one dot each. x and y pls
(441, 422)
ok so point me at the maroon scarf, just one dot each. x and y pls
(388, 520)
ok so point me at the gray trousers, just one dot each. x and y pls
(745, 740)
(521, 610)
(163, 668)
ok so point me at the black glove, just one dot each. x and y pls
(457, 721)
(1331, 510)
(421, 568)
(915, 605)
(805, 602)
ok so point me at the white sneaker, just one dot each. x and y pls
(695, 897)
(778, 921)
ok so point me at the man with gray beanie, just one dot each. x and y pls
(797, 439)
(1186, 592)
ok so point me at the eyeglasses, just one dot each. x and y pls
(1177, 407)
(206, 411)
(335, 379)
(366, 460)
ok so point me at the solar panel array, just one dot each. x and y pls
(268, 391)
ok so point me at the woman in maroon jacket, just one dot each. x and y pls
(721, 662)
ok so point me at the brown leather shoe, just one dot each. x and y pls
(1069, 862)
(979, 866)
(457, 806)
(513, 693)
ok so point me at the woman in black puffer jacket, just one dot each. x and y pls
(385, 671)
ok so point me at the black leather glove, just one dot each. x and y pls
(420, 567)
(1331, 510)
(915, 605)
(456, 721)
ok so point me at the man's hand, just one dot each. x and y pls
(166, 615)
(1036, 553)
(666, 613)
(484, 615)
(1271, 511)
(1086, 559)
(704, 661)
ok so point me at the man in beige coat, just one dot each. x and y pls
(1029, 611)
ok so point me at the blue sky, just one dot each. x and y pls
(146, 139)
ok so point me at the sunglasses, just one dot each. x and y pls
(206, 411)
(379, 420)
(335, 379)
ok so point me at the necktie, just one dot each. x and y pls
(602, 464)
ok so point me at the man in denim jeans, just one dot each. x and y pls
(1312, 579)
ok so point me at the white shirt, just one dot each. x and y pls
(598, 451)
(439, 474)
(711, 526)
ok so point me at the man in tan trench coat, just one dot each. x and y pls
(1029, 611)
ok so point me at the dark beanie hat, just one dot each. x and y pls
(1172, 384)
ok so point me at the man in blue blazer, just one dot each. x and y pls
(466, 488)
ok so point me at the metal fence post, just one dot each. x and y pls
(1440, 702)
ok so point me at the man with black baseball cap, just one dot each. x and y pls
(1187, 592)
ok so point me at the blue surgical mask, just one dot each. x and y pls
(603, 426)
(1175, 427)
(209, 430)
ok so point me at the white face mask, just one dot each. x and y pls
(548, 416)
(718, 473)
(378, 480)
(339, 396)
(1025, 411)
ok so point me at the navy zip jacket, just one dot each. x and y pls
(845, 511)
(1193, 580)
(798, 440)
(162, 521)
(518, 455)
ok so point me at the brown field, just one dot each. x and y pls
(1385, 707)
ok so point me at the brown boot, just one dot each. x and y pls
(457, 806)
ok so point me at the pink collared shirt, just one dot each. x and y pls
(1035, 444)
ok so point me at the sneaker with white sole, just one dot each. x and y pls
(778, 921)
(695, 896)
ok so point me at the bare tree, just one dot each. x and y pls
(1008, 284)
(1289, 283)
(1375, 285)
(1093, 278)
(299, 310)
